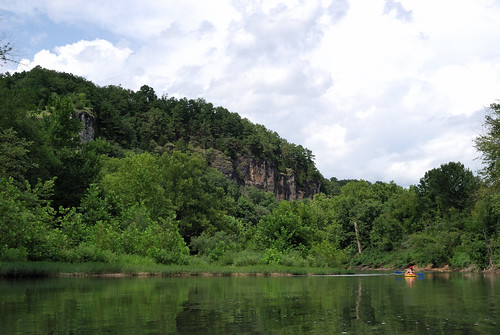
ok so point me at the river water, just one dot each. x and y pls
(445, 303)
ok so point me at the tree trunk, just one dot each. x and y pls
(357, 235)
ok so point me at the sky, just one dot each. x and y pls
(380, 90)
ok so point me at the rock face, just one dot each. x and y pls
(87, 133)
(245, 170)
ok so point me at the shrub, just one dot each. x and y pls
(13, 254)
(47, 246)
(324, 254)
(104, 236)
(214, 247)
(170, 257)
(293, 259)
(87, 252)
(163, 242)
(426, 249)
(247, 258)
(460, 260)
(272, 256)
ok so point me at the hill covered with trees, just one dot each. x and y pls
(179, 181)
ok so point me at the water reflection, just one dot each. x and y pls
(447, 304)
(410, 280)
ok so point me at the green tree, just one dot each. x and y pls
(386, 233)
(14, 159)
(356, 207)
(449, 186)
(137, 179)
(26, 218)
(173, 182)
(62, 130)
(488, 144)
(487, 209)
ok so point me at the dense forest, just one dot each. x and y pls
(146, 183)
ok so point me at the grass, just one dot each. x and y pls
(135, 268)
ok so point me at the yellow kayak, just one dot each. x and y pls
(410, 274)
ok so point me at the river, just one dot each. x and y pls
(437, 303)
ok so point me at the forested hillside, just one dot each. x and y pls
(179, 181)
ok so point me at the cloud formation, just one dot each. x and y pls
(378, 90)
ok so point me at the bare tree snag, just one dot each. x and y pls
(355, 221)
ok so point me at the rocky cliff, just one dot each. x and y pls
(87, 133)
(246, 170)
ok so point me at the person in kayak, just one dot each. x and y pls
(410, 271)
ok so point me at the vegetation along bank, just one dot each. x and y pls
(107, 175)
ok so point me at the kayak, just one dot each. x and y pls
(410, 275)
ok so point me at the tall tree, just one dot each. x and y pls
(14, 159)
(356, 207)
(489, 144)
(487, 209)
(449, 186)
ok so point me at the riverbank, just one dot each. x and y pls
(117, 270)
(95, 269)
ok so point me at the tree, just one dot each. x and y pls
(284, 229)
(14, 160)
(356, 208)
(487, 209)
(489, 144)
(449, 186)
(25, 216)
(62, 129)
(5, 52)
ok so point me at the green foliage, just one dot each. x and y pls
(386, 233)
(435, 249)
(25, 216)
(145, 188)
(272, 256)
(61, 129)
(13, 254)
(447, 187)
(489, 145)
(283, 229)
(213, 247)
(88, 252)
(247, 258)
(326, 254)
(356, 203)
(14, 159)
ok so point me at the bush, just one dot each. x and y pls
(163, 241)
(13, 254)
(48, 246)
(213, 247)
(324, 254)
(105, 236)
(272, 256)
(426, 249)
(460, 260)
(86, 252)
(293, 259)
(170, 257)
(371, 257)
(247, 258)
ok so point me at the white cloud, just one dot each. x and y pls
(461, 87)
(97, 60)
(379, 90)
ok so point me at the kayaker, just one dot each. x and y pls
(410, 271)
